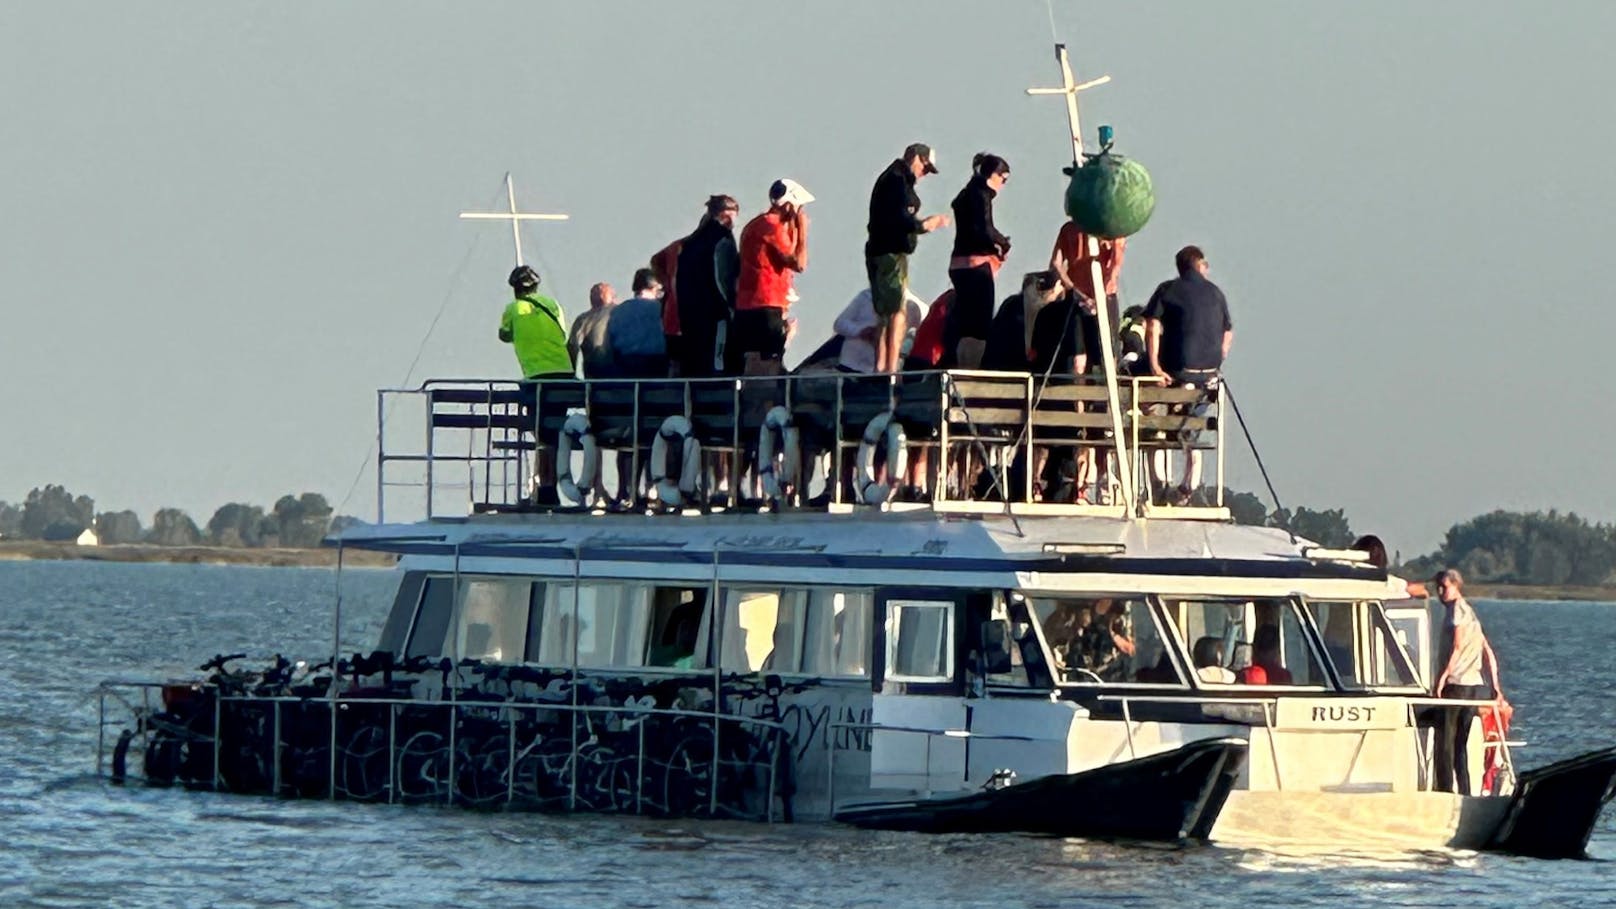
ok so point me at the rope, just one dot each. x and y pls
(1054, 35)
(455, 278)
(1279, 508)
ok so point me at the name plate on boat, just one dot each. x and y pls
(1340, 713)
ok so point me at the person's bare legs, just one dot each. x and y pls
(889, 341)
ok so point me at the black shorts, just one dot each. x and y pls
(1090, 324)
(698, 345)
(761, 331)
(971, 314)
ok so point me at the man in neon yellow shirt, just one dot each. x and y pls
(532, 323)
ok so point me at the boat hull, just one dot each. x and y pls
(1551, 815)
(1172, 796)
(1555, 808)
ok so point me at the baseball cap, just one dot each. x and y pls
(924, 152)
(789, 190)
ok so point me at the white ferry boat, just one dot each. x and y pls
(958, 665)
(971, 663)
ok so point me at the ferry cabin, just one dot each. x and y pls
(924, 653)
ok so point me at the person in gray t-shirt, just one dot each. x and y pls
(1463, 653)
(587, 340)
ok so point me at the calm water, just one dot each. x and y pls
(72, 840)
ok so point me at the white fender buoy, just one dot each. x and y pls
(674, 490)
(575, 434)
(777, 423)
(883, 429)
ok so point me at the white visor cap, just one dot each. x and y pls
(789, 190)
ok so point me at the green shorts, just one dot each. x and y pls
(889, 281)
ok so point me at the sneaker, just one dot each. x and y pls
(820, 501)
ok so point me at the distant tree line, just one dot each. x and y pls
(52, 513)
(1542, 548)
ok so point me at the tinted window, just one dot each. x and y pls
(491, 623)
(837, 633)
(920, 640)
(432, 619)
(1095, 640)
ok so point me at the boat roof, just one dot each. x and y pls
(916, 548)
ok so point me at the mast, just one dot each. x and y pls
(1069, 89)
(515, 217)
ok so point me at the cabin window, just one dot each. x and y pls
(763, 629)
(1363, 647)
(837, 633)
(431, 629)
(920, 640)
(609, 628)
(678, 623)
(1105, 640)
(491, 623)
(1247, 642)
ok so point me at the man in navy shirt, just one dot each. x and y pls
(1187, 324)
(1188, 332)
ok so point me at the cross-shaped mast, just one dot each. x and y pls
(1070, 89)
(515, 217)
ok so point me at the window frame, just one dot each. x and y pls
(1310, 638)
(1158, 614)
(1363, 638)
(895, 600)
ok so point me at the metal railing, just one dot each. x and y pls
(484, 753)
(482, 442)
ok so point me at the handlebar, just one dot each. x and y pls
(219, 660)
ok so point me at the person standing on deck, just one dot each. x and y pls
(979, 251)
(774, 247)
(1071, 261)
(707, 269)
(1463, 653)
(1188, 333)
(587, 340)
(531, 324)
(634, 331)
(895, 224)
(665, 266)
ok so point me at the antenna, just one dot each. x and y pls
(515, 217)
(1070, 89)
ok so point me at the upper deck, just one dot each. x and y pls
(456, 447)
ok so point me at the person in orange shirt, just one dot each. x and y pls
(1074, 266)
(773, 247)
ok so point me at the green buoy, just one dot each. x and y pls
(1110, 196)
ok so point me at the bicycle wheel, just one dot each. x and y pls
(480, 771)
(165, 756)
(422, 772)
(363, 765)
(542, 775)
(687, 776)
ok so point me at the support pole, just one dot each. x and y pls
(1069, 88)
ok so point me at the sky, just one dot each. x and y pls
(224, 224)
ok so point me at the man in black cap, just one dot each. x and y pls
(895, 222)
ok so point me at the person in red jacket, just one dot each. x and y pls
(773, 248)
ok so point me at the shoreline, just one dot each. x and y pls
(1544, 592)
(37, 550)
